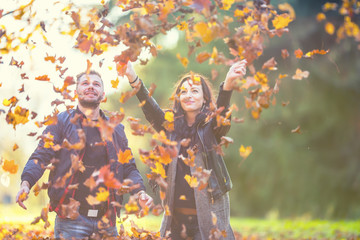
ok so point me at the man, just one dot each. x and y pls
(86, 173)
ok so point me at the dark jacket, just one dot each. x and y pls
(211, 200)
(208, 135)
(65, 129)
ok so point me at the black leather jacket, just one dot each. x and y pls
(208, 135)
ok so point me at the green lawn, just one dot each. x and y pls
(15, 222)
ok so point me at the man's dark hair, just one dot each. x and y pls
(91, 72)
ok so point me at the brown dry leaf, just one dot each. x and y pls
(70, 210)
(284, 53)
(296, 130)
(270, 64)
(90, 183)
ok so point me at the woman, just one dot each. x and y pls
(196, 213)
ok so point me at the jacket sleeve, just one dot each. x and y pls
(153, 113)
(42, 155)
(130, 170)
(223, 100)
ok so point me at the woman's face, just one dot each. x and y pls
(191, 97)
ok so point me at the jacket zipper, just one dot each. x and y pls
(206, 159)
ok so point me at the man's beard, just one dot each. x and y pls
(90, 104)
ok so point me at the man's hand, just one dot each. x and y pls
(145, 200)
(23, 194)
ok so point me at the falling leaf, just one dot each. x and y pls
(320, 17)
(270, 64)
(43, 78)
(299, 74)
(202, 57)
(284, 53)
(10, 166)
(329, 6)
(245, 151)
(192, 181)
(115, 83)
(90, 183)
(15, 147)
(124, 157)
(281, 21)
(184, 61)
(298, 53)
(330, 28)
(102, 195)
(296, 130)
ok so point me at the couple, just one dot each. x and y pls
(191, 210)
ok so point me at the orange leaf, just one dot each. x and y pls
(10, 166)
(50, 58)
(202, 57)
(15, 147)
(298, 53)
(43, 78)
(124, 157)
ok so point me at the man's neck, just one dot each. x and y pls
(90, 113)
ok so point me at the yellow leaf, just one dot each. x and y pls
(183, 26)
(159, 169)
(320, 17)
(115, 83)
(102, 195)
(329, 28)
(169, 116)
(289, 8)
(184, 61)
(245, 151)
(282, 21)
(227, 4)
(192, 181)
(329, 6)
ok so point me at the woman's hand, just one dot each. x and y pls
(131, 75)
(236, 71)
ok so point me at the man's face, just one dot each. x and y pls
(90, 90)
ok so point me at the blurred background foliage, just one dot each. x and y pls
(314, 173)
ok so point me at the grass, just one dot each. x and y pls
(15, 222)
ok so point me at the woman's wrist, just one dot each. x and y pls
(137, 78)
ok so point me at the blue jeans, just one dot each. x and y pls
(81, 228)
